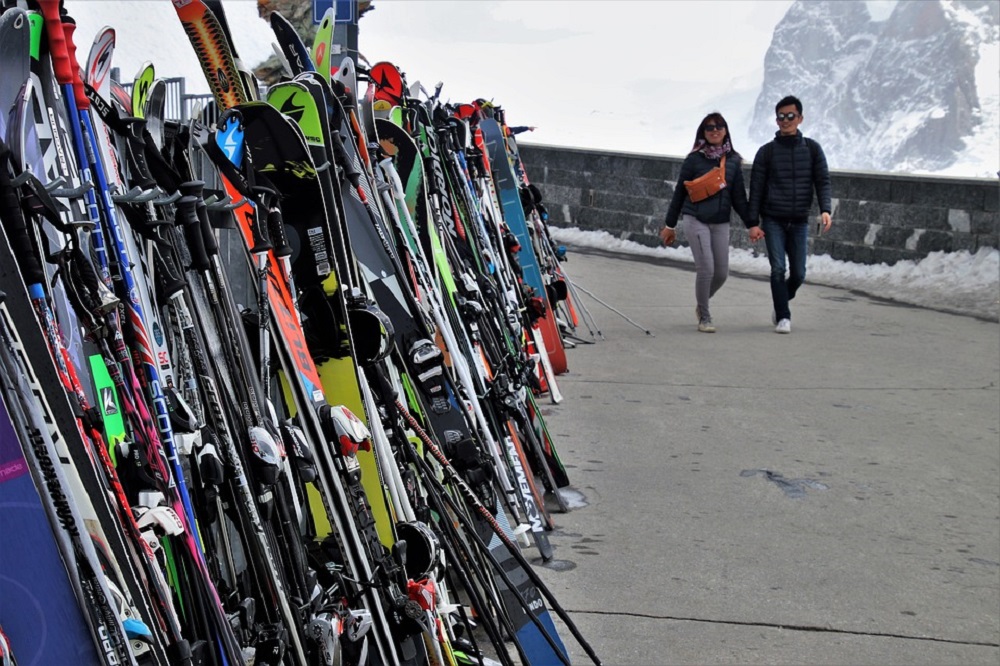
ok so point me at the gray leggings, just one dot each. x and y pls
(710, 248)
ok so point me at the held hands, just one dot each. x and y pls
(667, 236)
(756, 233)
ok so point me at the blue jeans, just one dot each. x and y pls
(781, 239)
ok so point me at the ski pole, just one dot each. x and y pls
(618, 312)
(498, 530)
(588, 318)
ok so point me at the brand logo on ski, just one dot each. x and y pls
(230, 140)
(293, 109)
(57, 145)
(388, 82)
(99, 61)
(222, 79)
(108, 404)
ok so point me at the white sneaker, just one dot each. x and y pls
(784, 326)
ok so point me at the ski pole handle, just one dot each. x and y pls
(69, 27)
(187, 217)
(263, 198)
(194, 190)
(208, 240)
(61, 65)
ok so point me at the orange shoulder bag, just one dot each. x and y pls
(707, 185)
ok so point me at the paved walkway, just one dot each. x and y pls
(826, 497)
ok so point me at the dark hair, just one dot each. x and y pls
(789, 99)
(699, 137)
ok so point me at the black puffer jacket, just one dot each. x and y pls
(715, 209)
(784, 176)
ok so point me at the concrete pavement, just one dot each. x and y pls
(826, 497)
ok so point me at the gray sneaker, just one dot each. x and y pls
(783, 326)
(706, 325)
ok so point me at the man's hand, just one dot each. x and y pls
(756, 233)
(825, 222)
(667, 236)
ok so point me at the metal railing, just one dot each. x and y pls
(181, 105)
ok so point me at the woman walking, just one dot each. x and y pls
(709, 187)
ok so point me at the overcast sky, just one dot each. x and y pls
(624, 75)
(631, 75)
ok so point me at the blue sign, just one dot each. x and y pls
(346, 10)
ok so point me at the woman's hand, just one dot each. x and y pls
(668, 235)
(756, 233)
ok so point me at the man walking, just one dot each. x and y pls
(786, 172)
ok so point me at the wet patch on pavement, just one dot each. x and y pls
(795, 488)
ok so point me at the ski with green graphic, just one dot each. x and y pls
(322, 51)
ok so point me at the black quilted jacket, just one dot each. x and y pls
(785, 174)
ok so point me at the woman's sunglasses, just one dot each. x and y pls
(712, 128)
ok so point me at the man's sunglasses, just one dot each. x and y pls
(712, 128)
(787, 116)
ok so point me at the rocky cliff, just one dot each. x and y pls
(909, 93)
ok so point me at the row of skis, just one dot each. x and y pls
(270, 382)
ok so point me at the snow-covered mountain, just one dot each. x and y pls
(917, 92)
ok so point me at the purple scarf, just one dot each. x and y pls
(710, 151)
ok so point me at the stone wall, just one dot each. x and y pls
(877, 217)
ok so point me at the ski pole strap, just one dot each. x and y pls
(244, 185)
(146, 165)
(136, 153)
(105, 111)
(203, 136)
(162, 172)
(13, 219)
(79, 292)
(37, 201)
(345, 161)
(83, 270)
(237, 179)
